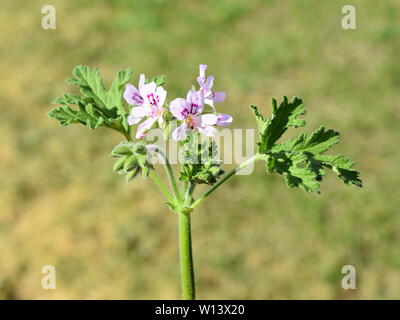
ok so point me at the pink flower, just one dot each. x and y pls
(149, 100)
(206, 87)
(189, 112)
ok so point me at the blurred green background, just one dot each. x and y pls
(60, 203)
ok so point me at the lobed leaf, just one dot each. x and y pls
(85, 114)
(283, 116)
(301, 160)
(96, 106)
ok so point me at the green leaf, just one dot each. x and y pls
(300, 175)
(301, 160)
(159, 80)
(283, 116)
(96, 106)
(317, 143)
(296, 172)
(85, 114)
(342, 166)
(92, 86)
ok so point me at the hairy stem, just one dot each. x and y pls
(185, 257)
(185, 247)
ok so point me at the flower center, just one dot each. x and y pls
(155, 112)
(189, 121)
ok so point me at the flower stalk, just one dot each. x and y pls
(186, 257)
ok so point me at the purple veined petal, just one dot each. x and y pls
(144, 126)
(208, 131)
(142, 81)
(132, 95)
(161, 94)
(195, 100)
(202, 72)
(208, 119)
(180, 132)
(137, 114)
(148, 92)
(224, 120)
(179, 108)
(219, 96)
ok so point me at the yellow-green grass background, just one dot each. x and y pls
(61, 204)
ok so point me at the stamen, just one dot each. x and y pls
(155, 112)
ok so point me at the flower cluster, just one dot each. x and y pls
(148, 101)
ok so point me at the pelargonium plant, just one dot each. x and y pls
(302, 161)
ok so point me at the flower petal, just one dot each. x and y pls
(219, 96)
(178, 108)
(195, 101)
(137, 114)
(132, 95)
(202, 71)
(180, 132)
(148, 92)
(208, 119)
(144, 126)
(142, 81)
(208, 131)
(161, 94)
(209, 82)
(200, 81)
(224, 120)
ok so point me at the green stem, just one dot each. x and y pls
(161, 186)
(170, 173)
(229, 174)
(185, 257)
(185, 247)
(189, 191)
(127, 136)
(123, 132)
